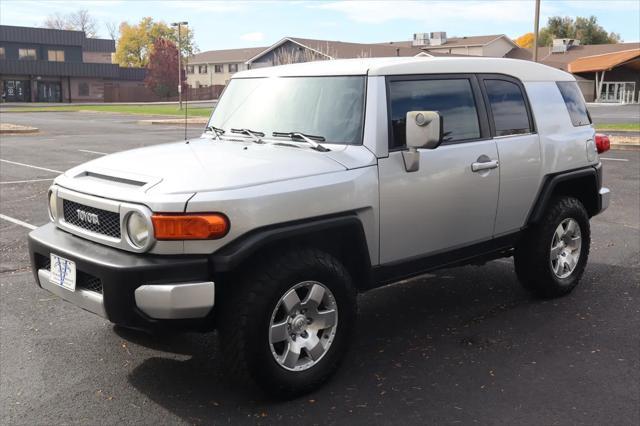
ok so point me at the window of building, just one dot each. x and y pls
(27, 54)
(2, 53)
(56, 55)
(508, 107)
(202, 69)
(452, 98)
(233, 67)
(218, 68)
(83, 89)
(575, 103)
(190, 69)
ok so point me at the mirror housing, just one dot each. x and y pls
(424, 130)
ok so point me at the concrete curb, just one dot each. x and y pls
(175, 121)
(617, 130)
(625, 147)
(17, 130)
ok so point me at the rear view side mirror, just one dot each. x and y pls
(423, 130)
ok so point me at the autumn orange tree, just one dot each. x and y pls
(525, 40)
(135, 45)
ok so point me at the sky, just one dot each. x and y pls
(235, 24)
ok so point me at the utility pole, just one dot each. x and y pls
(536, 26)
(179, 24)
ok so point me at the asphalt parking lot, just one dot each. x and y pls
(461, 346)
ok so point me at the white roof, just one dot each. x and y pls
(523, 70)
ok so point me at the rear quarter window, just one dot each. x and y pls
(574, 102)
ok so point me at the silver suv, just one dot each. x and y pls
(314, 182)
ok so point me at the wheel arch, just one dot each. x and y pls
(582, 184)
(341, 235)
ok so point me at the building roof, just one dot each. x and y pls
(523, 70)
(225, 56)
(343, 50)
(562, 60)
(603, 62)
(54, 37)
(469, 41)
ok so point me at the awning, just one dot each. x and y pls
(605, 61)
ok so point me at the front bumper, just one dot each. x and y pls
(132, 290)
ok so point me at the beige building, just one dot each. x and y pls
(216, 67)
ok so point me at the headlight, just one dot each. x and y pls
(53, 206)
(137, 229)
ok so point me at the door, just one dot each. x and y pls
(17, 91)
(512, 126)
(49, 91)
(450, 202)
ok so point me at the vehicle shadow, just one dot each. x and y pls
(412, 338)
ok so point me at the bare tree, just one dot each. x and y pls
(57, 21)
(78, 21)
(83, 21)
(112, 29)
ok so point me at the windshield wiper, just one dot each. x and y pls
(305, 138)
(256, 136)
(216, 130)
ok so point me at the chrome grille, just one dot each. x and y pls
(109, 222)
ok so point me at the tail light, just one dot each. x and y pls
(602, 143)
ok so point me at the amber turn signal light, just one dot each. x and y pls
(205, 226)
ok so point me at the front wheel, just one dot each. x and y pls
(552, 255)
(289, 322)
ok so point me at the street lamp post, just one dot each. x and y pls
(536, 25)
(178, 25)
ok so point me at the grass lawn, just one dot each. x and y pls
(619, 126)
(123, 109)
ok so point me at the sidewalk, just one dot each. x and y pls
(9, 105)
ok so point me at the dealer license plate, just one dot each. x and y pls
(63, 272)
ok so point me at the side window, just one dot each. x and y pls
(575, 103)
(508, 107)
(452, 98)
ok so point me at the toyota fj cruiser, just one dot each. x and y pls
(313, 182)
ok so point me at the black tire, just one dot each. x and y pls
(246, 315)
(533, 253)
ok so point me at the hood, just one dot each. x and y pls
(198, 166)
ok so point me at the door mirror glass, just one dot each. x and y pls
(424, 129)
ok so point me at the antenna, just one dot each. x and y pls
(186, 105)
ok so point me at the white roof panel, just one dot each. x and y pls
(523, 70)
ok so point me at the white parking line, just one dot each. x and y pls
(29, 165)
(17, 222)
(614, 159)
(93, 152)
(24, 181)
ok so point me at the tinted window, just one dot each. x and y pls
(508, 107)
(575, 103)
(453, 99)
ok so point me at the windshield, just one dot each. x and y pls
(331, 107)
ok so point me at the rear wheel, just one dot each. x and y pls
(552, 256)
(289, 322)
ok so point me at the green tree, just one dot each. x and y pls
(136, 42)
(587, 30)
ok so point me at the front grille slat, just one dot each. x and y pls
(109, 222)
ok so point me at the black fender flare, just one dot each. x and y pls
(551, 182)
(231, 255)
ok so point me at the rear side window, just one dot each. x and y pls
(452, 98)
(508, 107)
(575, 103)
